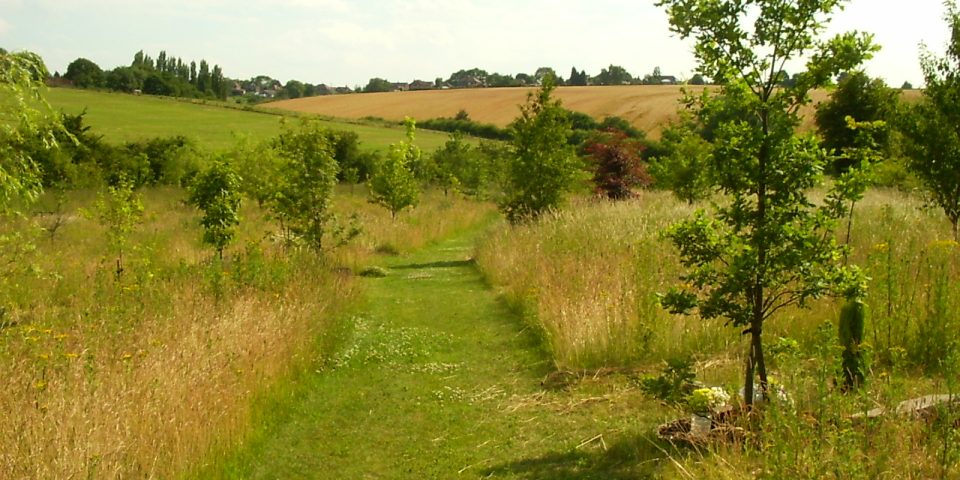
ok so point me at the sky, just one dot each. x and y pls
(347, 42)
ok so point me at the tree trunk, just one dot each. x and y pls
(748, 377)
(955, 221)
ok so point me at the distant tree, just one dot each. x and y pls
(498, 80)
(524, 79)
(932, 141)
(376, 85)
(156, 84)
(782, 77)
(309, 90)
(544, 164)
(864, 100)
(786, 80)
(618, 166)
(613, 75)
(293, 89)
(468, 78)
(697, 79)
(542, 73)
(906, 86)
(218, 84)
(577, 78)
(84, 74)
(203, 77)
(123, 79)
(393, 184)
(216, 192)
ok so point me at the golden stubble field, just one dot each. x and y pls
(648, 107)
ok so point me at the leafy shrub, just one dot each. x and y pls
(674, 384)
(618, 166)
(466, 126)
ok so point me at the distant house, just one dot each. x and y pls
(342, 90)
(668, 80)
(474, 82)
(421, 85)
(402, 87)
(238, 89)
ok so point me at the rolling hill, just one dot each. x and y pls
(647, 107)
(121, 117)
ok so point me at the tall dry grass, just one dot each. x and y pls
(146, 376)
(588, 277)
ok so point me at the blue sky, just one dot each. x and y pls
(341, 42)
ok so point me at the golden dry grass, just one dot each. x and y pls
(144, 378)
(589, 276)
(648, 107)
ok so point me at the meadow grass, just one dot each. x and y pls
(436, 378)
(143, 374)
(214, 125)
(587, 278)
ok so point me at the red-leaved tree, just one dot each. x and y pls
(618, 167)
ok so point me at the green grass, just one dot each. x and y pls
(122, 118)
(437, 378)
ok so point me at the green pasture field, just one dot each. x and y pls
(122, 117)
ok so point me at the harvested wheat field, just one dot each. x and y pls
(648, 107)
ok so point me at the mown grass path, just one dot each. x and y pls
(439, 379)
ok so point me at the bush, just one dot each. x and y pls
(618, 165)
(466, 126)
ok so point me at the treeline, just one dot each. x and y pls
(166, 75)
(479, 78)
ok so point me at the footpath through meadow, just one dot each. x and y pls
(439, 379)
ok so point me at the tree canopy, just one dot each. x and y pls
(767, 246)
(930, 127)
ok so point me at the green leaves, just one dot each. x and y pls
(545, 165)
(24, 117)
(216, 192)
(307, 177)
(767, 246)
(930, 127)
(393, 184)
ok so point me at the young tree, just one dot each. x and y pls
(864, 100)
(459, 166)
(684, 169)
(545, 165)
(930, 127)
(120, 210)
(307, 179)
(618, 166)
(768, 246)
(393, 184)
(216, 192)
